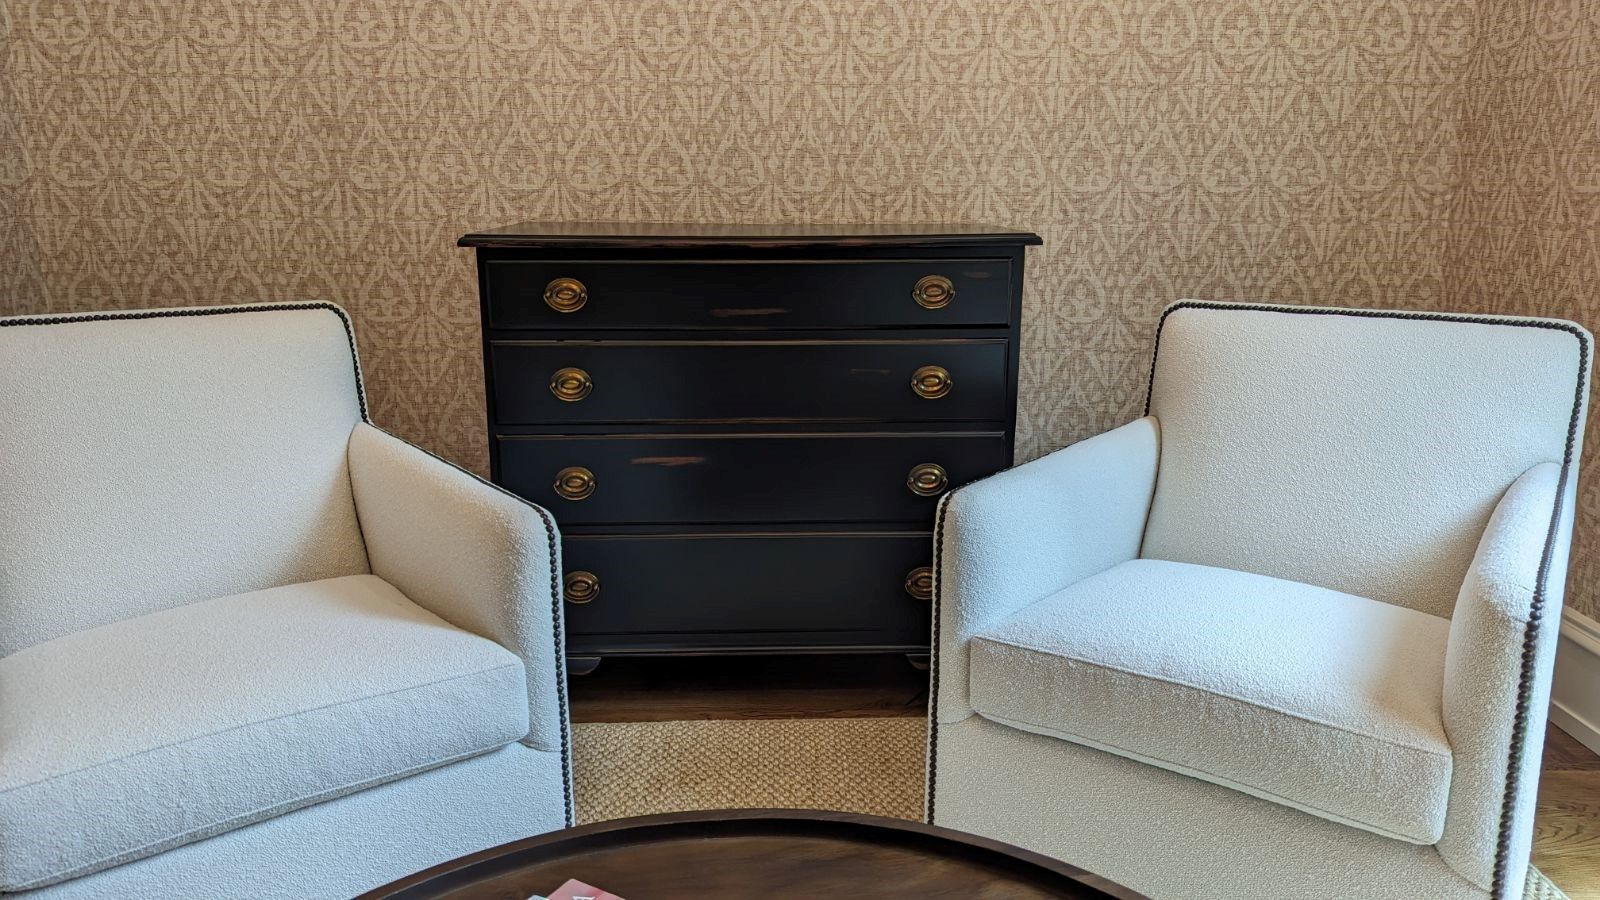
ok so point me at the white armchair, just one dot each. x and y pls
(250, 645)
(1289, 635)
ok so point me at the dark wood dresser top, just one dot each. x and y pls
(657, 234)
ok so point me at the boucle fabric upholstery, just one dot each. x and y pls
(1056, 520)
(1325, 702)
(146, 463)
(1481, 685)
(128, 739)
(165, 460)
(1359, 454)
(336, 850)
(480, 558)
(1356, 450)
(1164, 834)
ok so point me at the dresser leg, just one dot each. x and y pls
(582, 665)
(919, 661)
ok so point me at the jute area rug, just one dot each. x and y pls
(854, 765)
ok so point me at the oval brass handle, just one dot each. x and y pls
(574, 483)
(581, 587)
(933, 292)
(927, 480)
(571, 384)
(919, 583)
(565, 295)
(931, 382)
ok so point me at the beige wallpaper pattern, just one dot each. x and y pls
(1524, 226)
(19, 287)
(1323, 151)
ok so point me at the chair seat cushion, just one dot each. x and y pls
(135, 737)
(1322, 701)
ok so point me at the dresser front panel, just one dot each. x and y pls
(750, 381)
(759, 479)
(687, 592)
(791, 294)
(734, 416)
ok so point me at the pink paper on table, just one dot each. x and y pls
(577, 890)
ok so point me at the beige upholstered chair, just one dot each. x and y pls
(250, 645)
(1290, 634)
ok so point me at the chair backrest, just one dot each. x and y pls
(1358, 450)
(155, 458)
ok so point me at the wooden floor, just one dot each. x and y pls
(1567, 847)
(749, 687)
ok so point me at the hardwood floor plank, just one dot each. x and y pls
(1566, 843)
(1563, 752)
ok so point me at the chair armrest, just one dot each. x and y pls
(476, 556)
(1512, 593)
(1012, 539)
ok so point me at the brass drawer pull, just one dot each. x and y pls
(933, 292)
(581, 587)
(571, 384)
(931, 382)
(927, 480)
(574, 483)
(566, 295)
(919, 583)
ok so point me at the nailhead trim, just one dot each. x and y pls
(185, 312)
(933, 656)
(556, 628)
(1519, 728)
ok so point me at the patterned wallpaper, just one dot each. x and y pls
(1524, 226)
(1295, 150)
(19, 288)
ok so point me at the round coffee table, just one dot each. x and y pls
(757, 853)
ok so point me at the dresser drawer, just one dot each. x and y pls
(684, 592)
(748, 381)
(746, 478)
(747, 294)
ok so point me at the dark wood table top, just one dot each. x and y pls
(757, 853)
(672, 234)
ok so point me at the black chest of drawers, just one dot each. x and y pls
(743, 431)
